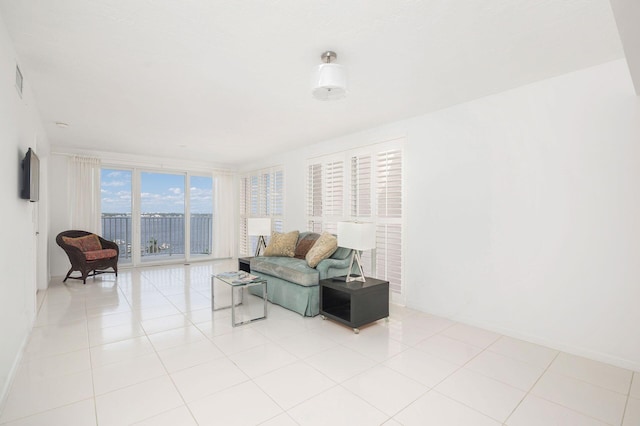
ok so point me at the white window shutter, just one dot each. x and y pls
(364, 185)
(360, 188)
(261, 195)
(334, 189)
(389, 184)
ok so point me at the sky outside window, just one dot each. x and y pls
(161, 193)
(115, 189)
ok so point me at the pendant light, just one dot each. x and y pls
(330, 80)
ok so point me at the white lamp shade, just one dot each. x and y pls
(357, 235)
(329, 82)
(259, 226)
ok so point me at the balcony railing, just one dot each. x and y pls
(161, 234)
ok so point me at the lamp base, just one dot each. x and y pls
(343, 278)
(350, 278)
(261, 244)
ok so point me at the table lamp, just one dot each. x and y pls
(357, 236)
(259, 227)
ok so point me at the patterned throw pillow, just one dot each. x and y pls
(304, 245)
(87, 243)
(282, 244)
(326, 245)
(91, 243)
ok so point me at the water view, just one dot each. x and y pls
(162, 234)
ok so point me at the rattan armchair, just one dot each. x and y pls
(89, 263)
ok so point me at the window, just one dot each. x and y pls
(201, 217)
(162, 210)
(261, 195)
(365, 185)
(162, 219)
(115, 188)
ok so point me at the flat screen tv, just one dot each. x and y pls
(30, 177)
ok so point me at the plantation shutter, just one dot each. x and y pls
(362, 185)
(325, 195)
(334, 189)
(244, 206)
(314, 197)
(261, 195)
(389, 213)
(389, 184)
(277, 200)
(360, 203)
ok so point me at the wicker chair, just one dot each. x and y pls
(80, 260)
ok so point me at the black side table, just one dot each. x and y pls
(244, 264)
(356, 303)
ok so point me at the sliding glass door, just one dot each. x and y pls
(162, 212)
(201, 217)
(115, 187)
(156, 216)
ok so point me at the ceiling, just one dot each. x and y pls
(228, 81)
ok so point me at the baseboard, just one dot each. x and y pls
(14, 370)
(560, 346)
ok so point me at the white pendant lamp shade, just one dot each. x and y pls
(330, 80)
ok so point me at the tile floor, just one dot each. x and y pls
(147, 350)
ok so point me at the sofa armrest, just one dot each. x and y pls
(329, 268)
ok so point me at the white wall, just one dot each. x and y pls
(521, 211)
(20, 128)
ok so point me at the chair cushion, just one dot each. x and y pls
(89, 242)
(324, 247)
(282, 244)
(100, 254)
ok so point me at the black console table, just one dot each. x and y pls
(355, 303)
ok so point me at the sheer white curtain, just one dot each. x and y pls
(223, 215)
(84, 191)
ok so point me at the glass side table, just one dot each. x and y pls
(239, 281)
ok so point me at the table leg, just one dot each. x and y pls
(212, 305)
(233, 306)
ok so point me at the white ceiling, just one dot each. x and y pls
(228, 81)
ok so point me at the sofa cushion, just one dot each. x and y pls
(305, 242)
(324, 247)
(286, 268)
(282, 244)
(89, 242)
(100, 254)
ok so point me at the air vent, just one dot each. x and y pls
(19, 81)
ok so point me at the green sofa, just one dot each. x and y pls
(293, 284)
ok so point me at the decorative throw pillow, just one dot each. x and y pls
(87, 243)
(304, 245)
(282, 244)
(324, 247)
(91, 243)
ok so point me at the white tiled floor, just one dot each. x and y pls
(146, 349)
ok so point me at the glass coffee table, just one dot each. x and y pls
(239, 281)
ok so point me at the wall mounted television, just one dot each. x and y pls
(30, 177)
